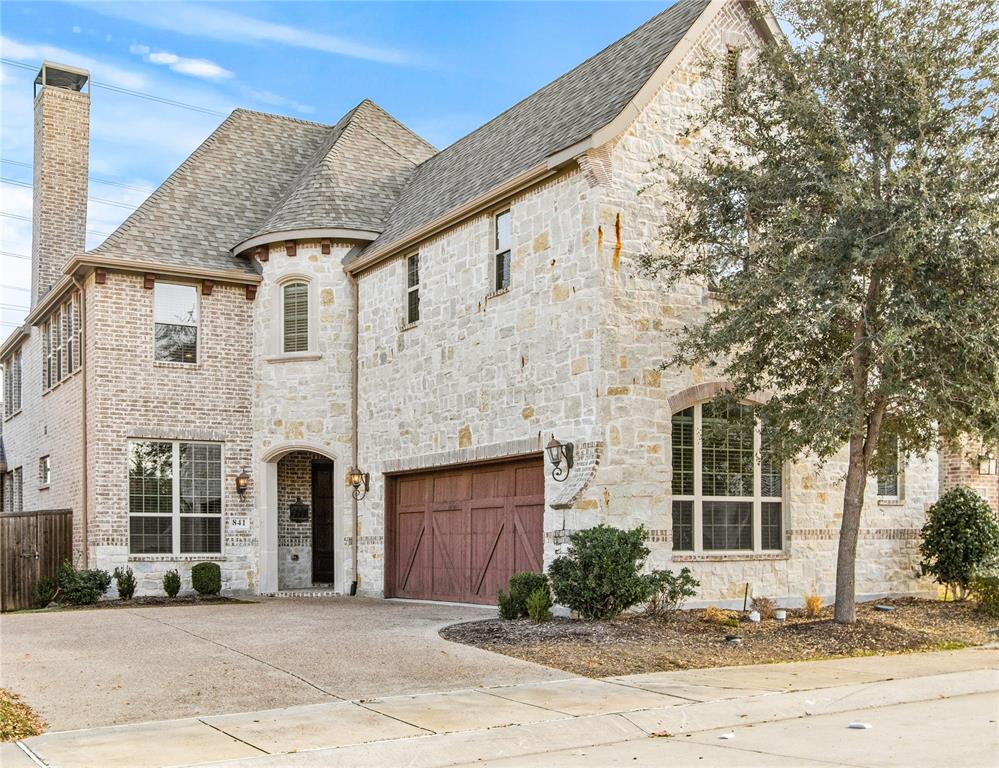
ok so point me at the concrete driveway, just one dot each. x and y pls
(100, 667)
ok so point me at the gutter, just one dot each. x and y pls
(237, 276)
(353, 423)
(310, 233)
(84, 516)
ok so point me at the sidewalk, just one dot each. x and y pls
(928, 708)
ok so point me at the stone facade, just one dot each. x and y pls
(571, 348)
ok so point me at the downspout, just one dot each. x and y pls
(84, 518)
(353, 424)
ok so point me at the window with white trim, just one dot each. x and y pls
(175, 318)
(12, 383)
(44, 471)
(13, 491)
(501, 251)
(727, 488)
(295, 317)
(175, 497)
(413, 289)
(61, 337)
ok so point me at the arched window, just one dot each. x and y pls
(295, 314)
(727, 489)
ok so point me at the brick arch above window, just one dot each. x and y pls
(708, 390)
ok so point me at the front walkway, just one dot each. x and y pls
(923, 709)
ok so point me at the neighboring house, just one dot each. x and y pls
(299, 299)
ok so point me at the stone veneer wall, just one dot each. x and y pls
(294, 475)
(133, 396)
(303, 400)
(632, 484)
(480, 374)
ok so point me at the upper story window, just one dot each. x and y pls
(175, 316)
(730, 75)
(413, 288)
(13, 491)
(295, 314)
(175, 498)
(727, 489)
(12, 383)
(61, 343)
(44, 471)
(501, 251)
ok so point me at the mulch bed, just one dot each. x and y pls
(684, 640)
(17, 720)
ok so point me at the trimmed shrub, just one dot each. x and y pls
(171, 583)
(45, 592)
(764, 606)
(601, 574)
(81, 587)
(125, 580)
(507, 607)
(513, 603)
(960, 538)
(539, 605)
(206, 578)
(985, 590)
(671, 591)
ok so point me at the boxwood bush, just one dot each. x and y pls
(171, 583)
(81, 587)
(513, 604)
(601, 574)
(125, 580)
(959, 540)
(206, 578)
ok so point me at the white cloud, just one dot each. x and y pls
(272, 99)
(203, 68)
(13, 49)
(76, 29)
(217, 24)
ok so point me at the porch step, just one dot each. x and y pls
(314, 592)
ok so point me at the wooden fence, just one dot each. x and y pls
(32, 545)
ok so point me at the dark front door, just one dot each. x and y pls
(323, 538)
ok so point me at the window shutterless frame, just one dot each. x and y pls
(412, 288)
(176, 322)
(501, 241)
(693, 507)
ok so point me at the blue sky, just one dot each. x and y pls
(441, 68)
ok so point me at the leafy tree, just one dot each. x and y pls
(960, 537)
(844, 199)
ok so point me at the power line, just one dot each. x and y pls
(98, 179)
(15, 255)
(102, 200)
(19, 217)
(11, 287)
(128, 92)
(14, 307)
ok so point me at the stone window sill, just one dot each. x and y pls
(409, 326)
(891, 502)
(176, 365)
(723, 557)
(497, 293)
(175, 558)
(61, 382)
(43, 487)
(293, 357)
(15, 413)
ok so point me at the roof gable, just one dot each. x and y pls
(564, 112)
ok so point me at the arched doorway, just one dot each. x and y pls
(300, 518)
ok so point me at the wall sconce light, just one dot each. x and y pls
(357, 479)
(987, 463)
(298, 511)
(559, 453)
(242, 483)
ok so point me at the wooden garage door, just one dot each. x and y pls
(459, 534)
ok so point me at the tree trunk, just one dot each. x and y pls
(853, 504)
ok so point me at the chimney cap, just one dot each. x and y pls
(61, 76)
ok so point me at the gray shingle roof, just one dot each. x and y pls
(219, 195)
(559, 115)
(259, 174)
(354, 178)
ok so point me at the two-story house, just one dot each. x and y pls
(333, 355)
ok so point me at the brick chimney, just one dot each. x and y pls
(62, 147)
